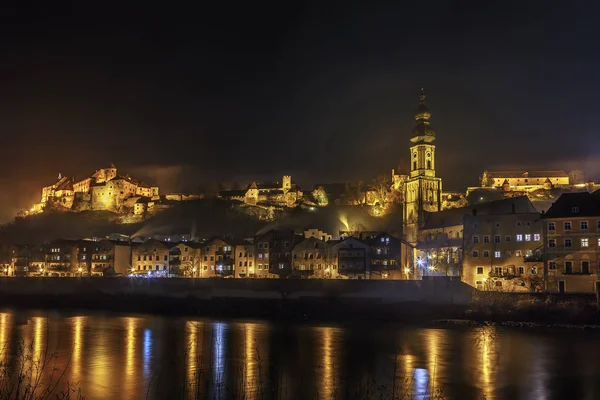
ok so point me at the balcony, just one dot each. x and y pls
(535, 257)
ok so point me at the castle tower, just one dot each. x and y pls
(286, 183)
(423, 191)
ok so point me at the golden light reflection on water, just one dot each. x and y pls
(78, 324)
(194, 360)
(487, 347)
(328, 373)
(131, 378)
(5, 327)
(251, 362)
(39, 335)
(434, 340)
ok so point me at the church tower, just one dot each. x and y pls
(423, 191)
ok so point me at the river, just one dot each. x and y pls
(113, 356)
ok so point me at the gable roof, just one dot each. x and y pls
(582, 204)
(527, 174)
(454, 216)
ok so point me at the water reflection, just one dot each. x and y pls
(131, 326)
(251, 362)
(76, 362)
(117, 357)
(39, 334)
(5, 327)
(219, 354)
(328, 370)
(486, 341)
(147, 352)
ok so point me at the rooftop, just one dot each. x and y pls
(582, 204)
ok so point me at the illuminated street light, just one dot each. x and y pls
(420, 262)
(406, 270)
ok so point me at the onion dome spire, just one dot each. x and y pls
(422, 130)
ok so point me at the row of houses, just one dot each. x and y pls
(273, 254)
(507, 245)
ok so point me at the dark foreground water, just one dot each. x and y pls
(111, 356)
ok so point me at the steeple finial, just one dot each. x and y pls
(422, 96)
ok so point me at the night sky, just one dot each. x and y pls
(324, 91)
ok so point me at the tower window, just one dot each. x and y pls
(428, 164)
(414, 165)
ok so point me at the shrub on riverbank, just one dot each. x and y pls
(501, 306)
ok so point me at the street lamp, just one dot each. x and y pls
(80, 270)
(194, 272)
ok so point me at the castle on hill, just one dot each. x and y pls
(105, 189)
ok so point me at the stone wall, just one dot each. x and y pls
(439, 291)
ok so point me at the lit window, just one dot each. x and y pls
(583, 225)
(568, 243)
(552, 243)
(585, 242)
(533, 270)
(528, 238)
(567, 226)
(519, 238)
(518, 253)
(551, 226)
(536, 237)
(497, 254)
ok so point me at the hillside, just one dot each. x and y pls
(202, 218)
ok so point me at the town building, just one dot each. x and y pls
(107, 257)
(350, 258)
(151, 257)
(274, 253)
(503, 248)
(311, 258)
(572, 245)
(422, 189)
(245, 259)
(185, 259)
(218, 259)
(384, 255)
(439, 248)
(61, 258)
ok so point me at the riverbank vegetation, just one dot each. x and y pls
(542, 309)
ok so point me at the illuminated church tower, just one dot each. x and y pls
(423, 190)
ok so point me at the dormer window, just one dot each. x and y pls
(575, 209)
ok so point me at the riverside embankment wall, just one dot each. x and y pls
(238, 297)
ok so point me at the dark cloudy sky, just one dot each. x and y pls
(322, 90)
